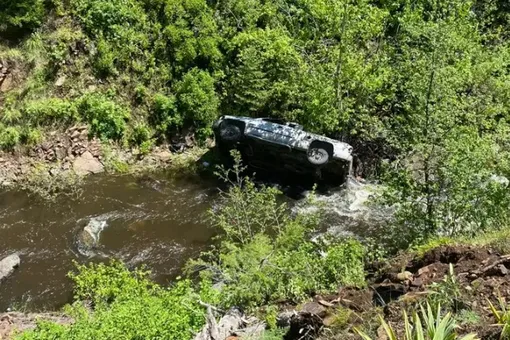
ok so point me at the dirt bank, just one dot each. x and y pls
(71, 154)
(13, 323)
(479, 275)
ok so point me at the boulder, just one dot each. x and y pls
(231, 322)
(60, 81)
(87, 164)
(8, 265)
(314, 308)
(88, 238)
(164, 156)
(7, 83)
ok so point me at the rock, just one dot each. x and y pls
(164, 156)
(88, 238)
(424, 270)
(228, 325)
(8, 265)
(54, 172)
(329, 320)
(87, 164)
(7, 83)
(314, 308)
(501, 270)
(46, 146)
(75, 134)
(418, 282)
(381, 333)
(404, 276)
(60, 153)
(283, 319)
(254, 330)
(60, 81)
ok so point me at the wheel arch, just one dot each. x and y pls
(240, 124)
(325, 145)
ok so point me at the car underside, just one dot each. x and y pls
(263, 154)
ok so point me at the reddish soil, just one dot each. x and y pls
(480, 274)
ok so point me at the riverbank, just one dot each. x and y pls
(64, 158)
(267, 267)
(463, 279)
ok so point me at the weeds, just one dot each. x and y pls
(446, 293)
(427, 326)
(502, 316)
(42, 183)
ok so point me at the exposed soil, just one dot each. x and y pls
(75, 151)
(480, 275)
(13, 323)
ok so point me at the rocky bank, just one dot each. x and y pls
(75, 152)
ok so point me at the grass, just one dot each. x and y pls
(497, 239)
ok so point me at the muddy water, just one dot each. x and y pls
(156, 222)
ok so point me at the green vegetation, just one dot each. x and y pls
(423, 85)
(430, 325)
(126, 305)
(419, 88)
(266, 255)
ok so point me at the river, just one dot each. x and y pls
(155, 221)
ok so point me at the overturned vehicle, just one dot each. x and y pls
(276, 145)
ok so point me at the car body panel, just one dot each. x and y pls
(285, 145)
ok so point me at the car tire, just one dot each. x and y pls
(317, 156)
(230, 132)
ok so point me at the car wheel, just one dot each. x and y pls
(230, 133)
(318, 156)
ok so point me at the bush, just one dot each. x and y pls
(126, 305)
(9, 137)
(164, 115)
(31, 136)
(266, 255)
(21, 15)
(50, 111)
(106, 118)
(141, 133)
(198, 101)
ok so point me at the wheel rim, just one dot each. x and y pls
(229, 132)
(316, 155)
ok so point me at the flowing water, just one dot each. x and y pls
(154, 221)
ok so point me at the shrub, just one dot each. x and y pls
(104, 63)
(41, 183)
(164, 115)
(198, 101)
(50, 111)
(126, 305)
(9, 137)
(21, 15)
(106, 118)
(140, 134)
(31, 136)
(266, 255)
